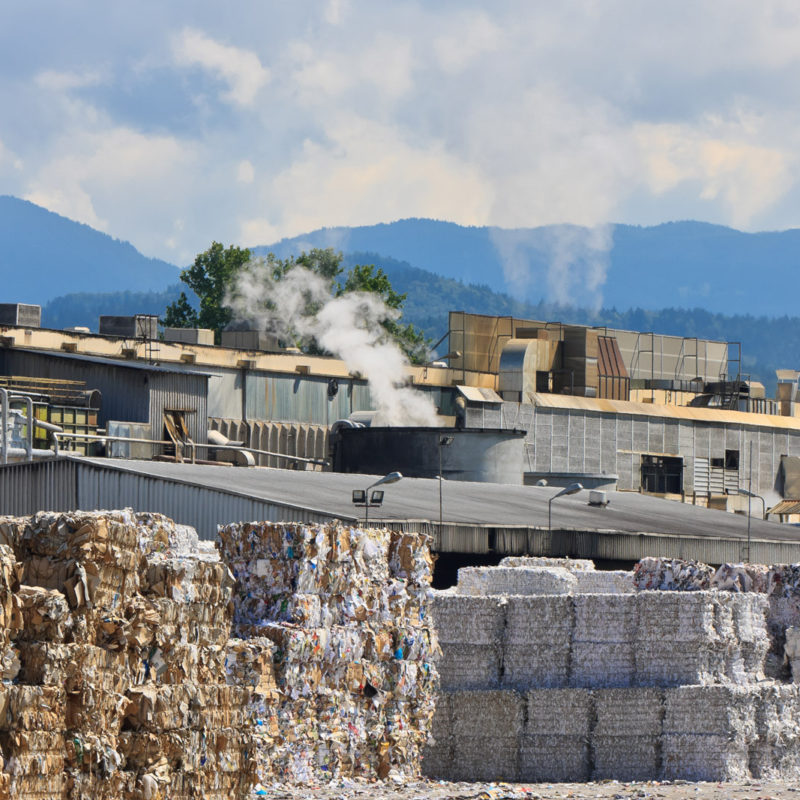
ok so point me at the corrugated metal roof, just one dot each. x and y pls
(785, 507)
(477, 516)
(113, 362)
(479, 394)
(631, 408)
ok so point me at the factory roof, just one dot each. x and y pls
(688, 413)
(110, 362)
(463, 502)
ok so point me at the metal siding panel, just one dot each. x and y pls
(199, 507)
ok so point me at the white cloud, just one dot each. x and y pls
(336, 10)
(385, 64)
(465, 40)
(367, 172)
(54, 81)
(241, 69)
(747, 177)
(245, 172)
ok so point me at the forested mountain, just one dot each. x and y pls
(44, 255)
(677, 264)
(684, 278)
(767, 343)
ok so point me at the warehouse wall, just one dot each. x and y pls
(576, 440)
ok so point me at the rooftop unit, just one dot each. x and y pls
(251, 340)
(189, 335)
(139, 326)
(20, 315)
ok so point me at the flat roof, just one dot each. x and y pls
(689, 413)
(110, 362)
(462, 502)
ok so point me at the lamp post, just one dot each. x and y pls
(362, 498)
(573, 488)
(750, 495)
(444, 441)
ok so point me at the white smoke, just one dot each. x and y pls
(568, 261)
(299, 307)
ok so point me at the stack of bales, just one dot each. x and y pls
(122, 688)
(342, 613)
(628, 685)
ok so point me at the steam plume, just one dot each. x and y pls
(570, 261)
(347, 326)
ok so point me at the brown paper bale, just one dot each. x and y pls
(45, 615)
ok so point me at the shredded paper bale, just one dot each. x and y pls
(515, 580)
(555, 743)
(536, 642)
(129, 685)
(470, 631)
(355, 649)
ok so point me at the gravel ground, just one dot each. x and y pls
(610, 790)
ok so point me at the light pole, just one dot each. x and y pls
(573, 488)
(362, 499)
(444, 441)
(750, 495)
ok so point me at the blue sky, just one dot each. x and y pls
(172, 124)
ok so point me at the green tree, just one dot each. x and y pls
(209, 277)
(214, 272)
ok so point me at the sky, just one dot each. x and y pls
(174, 124)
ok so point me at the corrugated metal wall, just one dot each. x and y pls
(576, 440)
(65, 484)
(129, 394)
(171, 391)
(292, 438)
(125, 392)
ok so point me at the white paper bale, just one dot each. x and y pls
(602, 664)
(628, 712)
(575, 565)
(559, 712)
(486, 733)
(477, 759)
(693, 757)
(470, 666)
(712, 710)
(536, 641)
(437, 755)
(606, 617)
(603, 640)
(605, 581)
(515, 580)
(776, 753)
(553, 759)
(462, 619)
(487, 714)
(626, 758)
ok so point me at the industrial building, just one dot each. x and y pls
(611, 409)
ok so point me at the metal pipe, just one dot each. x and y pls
(29, 426)
(193, 445)
(4, 444)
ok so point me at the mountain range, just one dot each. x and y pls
(683, 278)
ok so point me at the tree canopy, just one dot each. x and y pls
(215, 271)
(209, 277)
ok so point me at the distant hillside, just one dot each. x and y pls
(767, 344)
(44, 255)
(678, 264)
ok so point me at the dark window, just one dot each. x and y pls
(662, 474)
(731, 459)
(718, 462)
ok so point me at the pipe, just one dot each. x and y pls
(193, 445)
(4, 396)
(29, 426)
